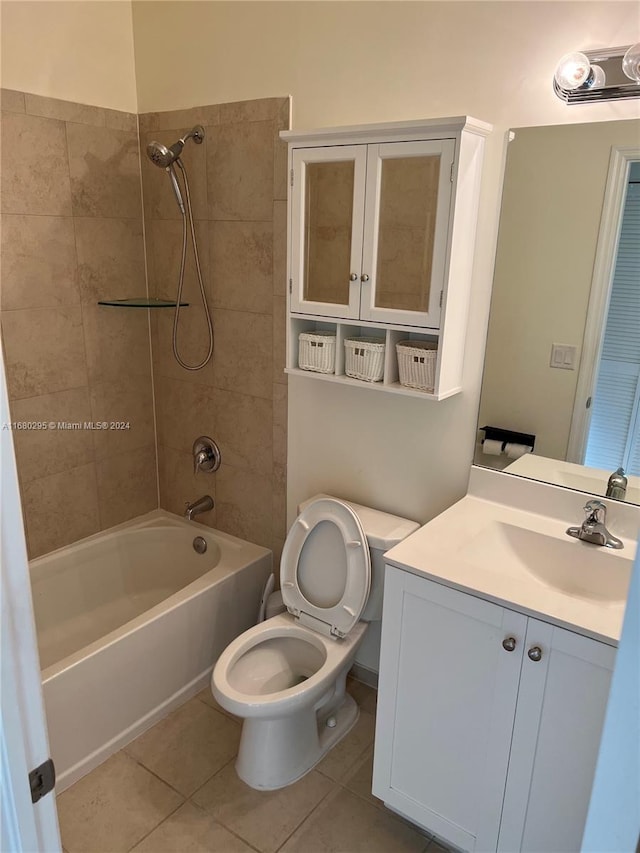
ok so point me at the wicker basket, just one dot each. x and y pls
(364, 358)
(417, 364)
(317, 351)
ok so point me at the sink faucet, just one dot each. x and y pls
(203, 504)
(593, 528)
(617, 485)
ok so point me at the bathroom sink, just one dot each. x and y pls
(572, 567)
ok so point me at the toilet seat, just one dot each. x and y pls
(326, 568)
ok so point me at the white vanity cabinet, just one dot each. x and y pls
(382, 222)
(489, 721)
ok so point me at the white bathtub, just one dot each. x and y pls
(130, 623)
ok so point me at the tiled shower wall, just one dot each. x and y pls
(238, 186)
(72, 234)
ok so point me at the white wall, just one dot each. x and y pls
(76, 51)
(346, 63)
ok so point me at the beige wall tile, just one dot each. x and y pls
(44, 350)
(242, 265)
(191, 830)
(35, 169)
(279, 339)
(117, 342)
(39, 268)
(159, 199)
(126, 401)
(192, 339)
(244, 431)
(41, 452)
(265, 819)
(127, 485)
(120, 120)
(262, 109)
(279, 424)
(188, 747)
(176, 119)
(280, 248)
(110, 258)
(37, 105)
(244, 504)
(184, 411)
(11, 101)
(105, 171)
(164, 250)
(113, 807)
(60, 509)
(240, 171)
(243, 352)
(179, 485)
(279, 502)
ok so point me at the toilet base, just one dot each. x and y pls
(276, 753)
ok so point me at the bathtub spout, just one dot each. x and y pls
(203, 504)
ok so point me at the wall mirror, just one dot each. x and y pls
(563, 349)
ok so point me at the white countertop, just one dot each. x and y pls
(508, 551)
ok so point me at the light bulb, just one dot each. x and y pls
(631, 63)
(573, 71)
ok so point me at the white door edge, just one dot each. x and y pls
(23, 734)
(603, 270)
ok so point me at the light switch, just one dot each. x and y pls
(563, 356)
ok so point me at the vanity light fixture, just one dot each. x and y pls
(598, 75)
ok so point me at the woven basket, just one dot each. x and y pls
(317, 351)
(364, 359)
(417, 364)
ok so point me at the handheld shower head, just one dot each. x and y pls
(176, 186)
(162, 156)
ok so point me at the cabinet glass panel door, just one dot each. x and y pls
(407, 211)
(327, 211)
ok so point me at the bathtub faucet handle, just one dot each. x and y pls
(206, 455)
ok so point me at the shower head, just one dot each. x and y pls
(163, 157)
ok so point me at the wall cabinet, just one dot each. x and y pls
(382, 223)
(489, 721)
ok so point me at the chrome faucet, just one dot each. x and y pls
(203, 504)
(593, 527)
(617, 485)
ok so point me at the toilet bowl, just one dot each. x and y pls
(286, 676)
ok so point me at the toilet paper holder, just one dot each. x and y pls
(508, 436)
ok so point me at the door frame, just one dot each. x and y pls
(601, 283)
(23, 733)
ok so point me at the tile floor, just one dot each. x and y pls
(175, 790)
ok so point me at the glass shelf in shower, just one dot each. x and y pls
(141, 302)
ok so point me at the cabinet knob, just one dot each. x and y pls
(364, 277)
(509, 644)
(535, 653)
(353, 276)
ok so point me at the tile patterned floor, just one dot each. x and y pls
(175, 790)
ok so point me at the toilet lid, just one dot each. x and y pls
(325, 571)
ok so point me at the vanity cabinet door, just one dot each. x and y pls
(327, 216)
(408, 200)
(446, 706)
(561, 706)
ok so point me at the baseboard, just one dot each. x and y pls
(364, 674)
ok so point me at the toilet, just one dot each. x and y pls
(286, 676)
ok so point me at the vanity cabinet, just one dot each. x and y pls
(382, 222)
(489, 721)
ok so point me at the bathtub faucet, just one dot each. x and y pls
(203, 504)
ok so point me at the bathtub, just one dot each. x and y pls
(130, 622)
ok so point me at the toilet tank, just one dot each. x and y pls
(383, 531)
